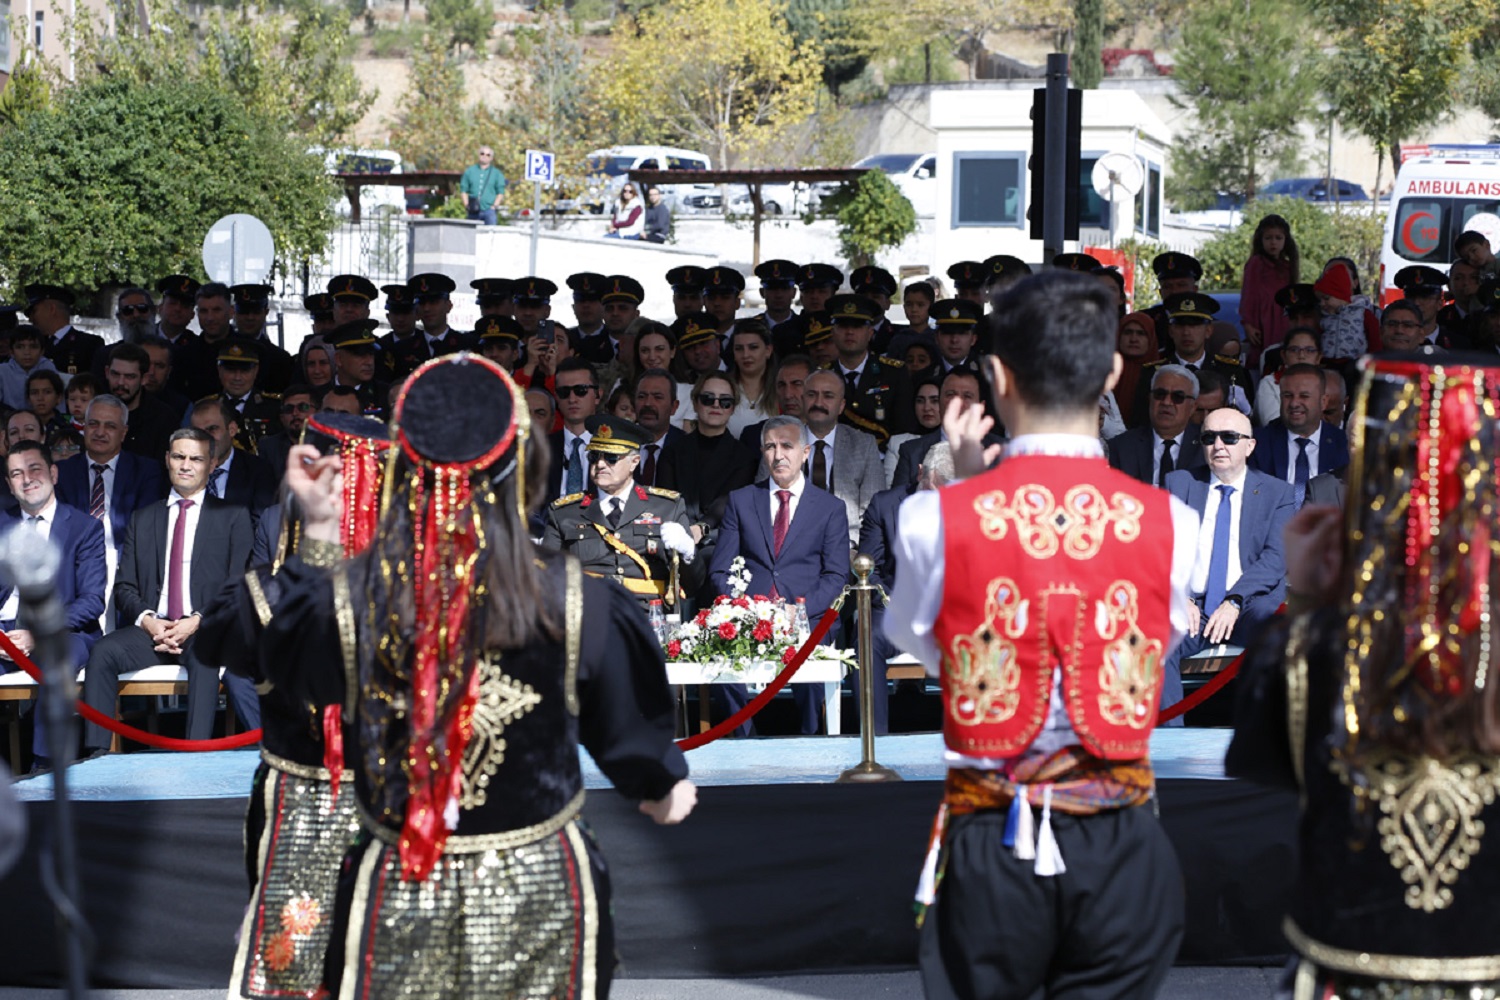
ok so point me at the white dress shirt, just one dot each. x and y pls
(1313, 441)
(173, 513)
(1206, 534)
(796, 489)
(48, 514)
(917, 594)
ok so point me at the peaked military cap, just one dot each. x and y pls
(612, 435)
(178, 286)
(1420, 279)
(819, 327)
(397, 298)
(820, 276)
(686, 279)
(1082, 262)
(239, 352)
(623, 288)
(1003, 265)
(1299, 297)
(723, 279)
(42, 293)
(357, 334)
(352, 286)
(968, 274)
(533, 288)
(495, 328)
(855, 308)
(318, 303)
(694, 329)
(430, 286)
(1192, 307)
(956, 313)
(251, 298)
(586, 285)
(489, 290)
(1172, 264)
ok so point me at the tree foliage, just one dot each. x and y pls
(872, 215)
(1087, 64)
(1247, 102)
(738, 89)
(461, 23)
(163, 160)
(890, 27)
(1320, 234)
(1399, 66)
(826, 24)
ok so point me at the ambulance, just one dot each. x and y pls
(1440, 192)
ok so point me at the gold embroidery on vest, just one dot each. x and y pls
(1131, 672)
(502, 700)
(1429, 826)
(1043, 527)
(984, 675)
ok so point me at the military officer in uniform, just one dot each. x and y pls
(252, 304)
(687, 289)
(319, 306)
(1002, 271)
(878, 285)
(778, 288)
(432, 294)
(877, 390)
(258, 414)
(50, 309)
(969, 277)
(817, 283)
(818, 341)
(493, 296)
(178, 295)
(1422, 286)
(722, 289)
(532, 297)
(354, 365)
(620, 530)
(499, 339)
(1192, 319)
(1083, 263)
(401, 350)
(1176, 274)
(592, 343)
(352, 297)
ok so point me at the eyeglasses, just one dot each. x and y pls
(1177, 395)
(607, 459)
(134, 310)
(709, 399)
(564, 391)
(1399, 325)
(290, 408)
(1307, 349)
(1228, 437)
(484, 153)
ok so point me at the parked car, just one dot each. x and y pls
(374, 200)
(776, 199)
(915, 174)
(1315, 189)
(607, 170)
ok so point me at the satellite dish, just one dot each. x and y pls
(238, 250)
(1117, 176)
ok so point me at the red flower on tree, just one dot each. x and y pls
(763, 631)
(728, 631)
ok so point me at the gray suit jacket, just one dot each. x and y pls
(1134, 451)
(1266, 507)
(1325, 489)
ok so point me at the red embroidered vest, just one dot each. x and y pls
(1053, 561)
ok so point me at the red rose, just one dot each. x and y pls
(728, 631)
(762, 631)
(788, 655)
(674, 649)
(741, 602)
(702, 618)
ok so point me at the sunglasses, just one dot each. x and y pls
(134, 310)
(1176, 395)
(1228, 437)
(607, 459)
(289, 408)
(709, 399)
(564, 391)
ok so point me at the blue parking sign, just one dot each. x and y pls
(539, 166)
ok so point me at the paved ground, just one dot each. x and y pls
(1184, 984)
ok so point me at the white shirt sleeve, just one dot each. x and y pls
(918, 591)
(1184, 557)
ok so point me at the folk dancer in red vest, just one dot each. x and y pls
(1045, 593)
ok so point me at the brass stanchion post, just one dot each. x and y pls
(866, 770)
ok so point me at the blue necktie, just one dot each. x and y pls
(1218, 562)
(575, 468)
(1300, 473)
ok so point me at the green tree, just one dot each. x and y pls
(1246, 102)
(872, 215)
(1320, 235)
(886, 28)
(742, 84)
(134, 202)
(1399, 66)
(1087, 65)
(27, 91)
(461, 22)
(826, 24)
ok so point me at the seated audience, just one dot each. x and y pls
(1169, 441)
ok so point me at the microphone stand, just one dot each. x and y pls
(31, 563)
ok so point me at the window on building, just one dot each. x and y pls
(1093, 211)
(1148, 202)
(987, 189)
(41, 32)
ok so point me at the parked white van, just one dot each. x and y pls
(375, 200)
(1440, 192)
(608, 169)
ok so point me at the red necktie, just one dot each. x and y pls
(648, 467)
(783, 519)
(174, 562)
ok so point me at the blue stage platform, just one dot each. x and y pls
(778, 872)
(1175, 753)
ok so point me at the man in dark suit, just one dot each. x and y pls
(176, 557)
(237, 477)
(794, 539)
(80, 577)
(104, 480)
(655, 403)
(877, 539)
(1239, 579)
(1300, 444)
(1170, 440)
(50, 309)
(577, 390)
(151, 422)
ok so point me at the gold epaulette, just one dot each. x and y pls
(892, 362)
(1227, 359)
(570, 498)
(657, 491)
(270, 395)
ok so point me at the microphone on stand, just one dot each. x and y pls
(30, 563)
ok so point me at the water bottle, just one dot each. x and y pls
(658, 619)
(800, 623)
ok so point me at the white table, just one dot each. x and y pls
(829, 673)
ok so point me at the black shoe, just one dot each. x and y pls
(90, 753)
(40, 765)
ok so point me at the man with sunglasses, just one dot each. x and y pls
(481, 188)
(619, 529)
(136, 313)
(576, 387)
(296, 406)
(1239, 578)
(1169, 440)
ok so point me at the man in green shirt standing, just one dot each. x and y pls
(481, 187)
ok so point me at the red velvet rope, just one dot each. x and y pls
(130, 732)
(1201, 695)
(759, 701)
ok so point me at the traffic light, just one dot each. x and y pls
(1069, 184)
